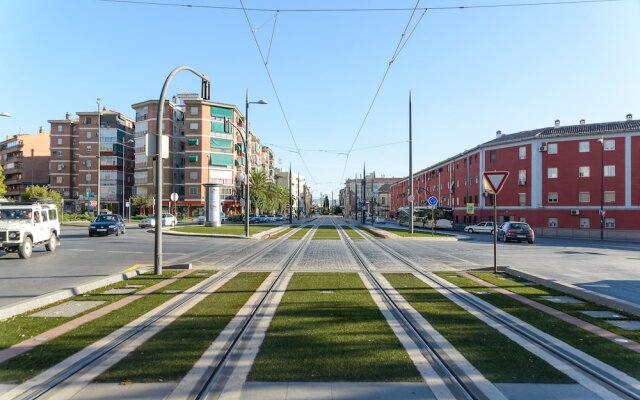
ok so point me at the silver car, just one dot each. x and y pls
(150, 222)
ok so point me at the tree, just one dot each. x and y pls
(3, 187)
(258, 189)
(141, 202)
(325, 204)
(33, 192)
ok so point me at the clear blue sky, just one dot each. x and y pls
(471, 72)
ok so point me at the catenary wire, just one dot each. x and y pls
(273, 32)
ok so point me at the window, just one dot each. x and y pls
(584, 197)
(193, 126)
(89, 150)
(610, 223)
(522, 152)
(193, 158)
(382, 201)
(609, 144)
(59, 141)
(88, 135)
(87, 162)
(60, 167)
(193, 142)
(193, 110)
(609, 197)
(58, 179)
(522, 199)
(609, 170)
(522, 175)
(193, 175)
(552, 222)
(492, 156)
(583, 147)
(552, 173)
(59, 128)
(552, 148)
(59, 154)
(193, 191)
(584, 223)
(87, 177)
(584, 172)
(87, 120)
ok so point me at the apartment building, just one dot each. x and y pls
(372, 196)
(206, 139)
(301, 197)
(25, 162)
(560, 178)
(94, 148)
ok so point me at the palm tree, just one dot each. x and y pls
(259, 188)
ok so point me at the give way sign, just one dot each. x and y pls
(494, 180)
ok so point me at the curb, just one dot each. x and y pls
(584, 294)
(174, 233)
(49, 298)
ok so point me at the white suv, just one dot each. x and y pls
(23, 225)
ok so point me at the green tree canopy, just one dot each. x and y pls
(3, 187)
(33, 192)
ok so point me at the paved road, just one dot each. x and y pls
(609, 268)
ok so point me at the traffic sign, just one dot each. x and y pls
(174, 197)
(494, 180)
(410, 198)
(433, 201)
(471, 208)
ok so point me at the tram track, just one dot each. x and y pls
(77, 371)
(591, 373)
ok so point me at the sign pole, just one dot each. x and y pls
(493, 183)
(495, 233)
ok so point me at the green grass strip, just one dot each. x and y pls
(405, 233)
(328, 328)
(352, 233)
(326, 232)
(22, 327)
(170, 354)
(594, 345)
(497, 357)
(280, 234)
(224, 229)
(27, 365)
(300, 234)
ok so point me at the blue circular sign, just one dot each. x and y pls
(433, 200)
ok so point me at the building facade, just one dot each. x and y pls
(577, 180)
(81, 148)
(371, 197)
(25, 162)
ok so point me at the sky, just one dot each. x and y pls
(470, 71)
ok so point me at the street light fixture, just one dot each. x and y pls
(159, 179)
(4, 114)
(246, 159)
(601, 140)
(99, 160)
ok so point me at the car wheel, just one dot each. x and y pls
(491, 232)
(25, 248)
(53, 242)
(117, 232)
(504, 238)
(470, 230)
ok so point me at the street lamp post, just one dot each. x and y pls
(246, 159)
(601, 140)
(99, 160)
(159, 181)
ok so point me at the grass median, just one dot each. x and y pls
(170, 354)
(352, 233)
(224, 229)
(326, 232)
(300, 234)
(328, 328)
(603, 349)
(497, 357)
(405, 233)
(24, 326)
(29, 364)
(280, 234)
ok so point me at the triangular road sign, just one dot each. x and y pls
(494, 180)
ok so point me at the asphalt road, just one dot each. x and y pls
(607, 267)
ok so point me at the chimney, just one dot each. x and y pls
(629, 117)
(67, 116)
(498, 134)
(581, 122)
(41, 130)
(557, 123)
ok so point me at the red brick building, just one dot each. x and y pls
(560, 178)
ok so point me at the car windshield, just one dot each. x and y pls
(106, 218)
(15, 213)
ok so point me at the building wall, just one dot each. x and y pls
(25, 162)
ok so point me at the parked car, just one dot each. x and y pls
(518, 231)
(380, 220)
(106, 224)
(203, 218)
(482, 227)
(150, 222)
(270, 218)
(279, 217)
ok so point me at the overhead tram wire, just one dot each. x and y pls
(275, 91)
(338, 152)
(403, 38)
(354, 10)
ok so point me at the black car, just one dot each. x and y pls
(106, 224)
(518, 231)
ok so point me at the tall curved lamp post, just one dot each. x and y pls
(99, 159)
(159, 181)
(246, 160)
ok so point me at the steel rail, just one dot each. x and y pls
(604, 379)
(67, 373)
(460, 385)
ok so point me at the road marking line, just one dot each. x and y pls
(80, 250)
(126, 252)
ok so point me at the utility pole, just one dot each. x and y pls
(298, 198)
(355, 181)
(99, 160)
(364, 194)
(411, 171)
(290, 197)
(372, 199)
